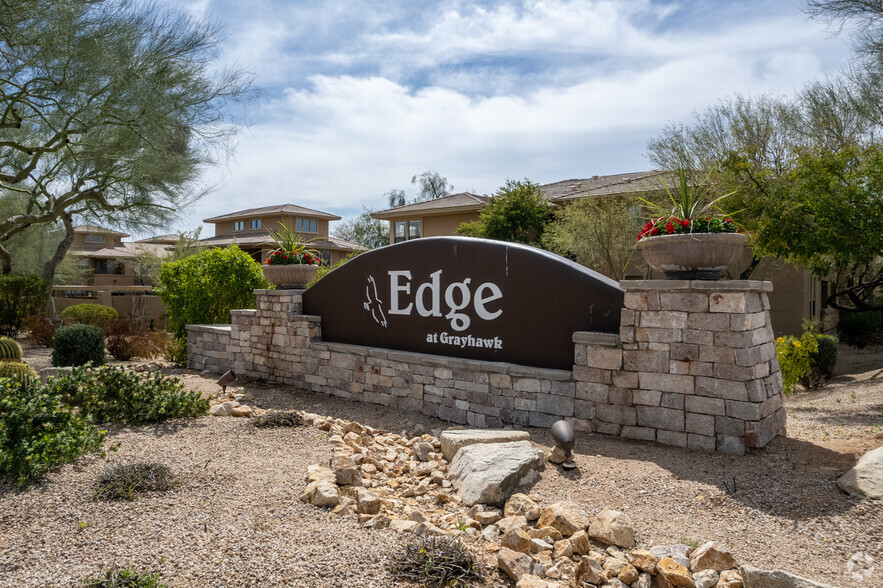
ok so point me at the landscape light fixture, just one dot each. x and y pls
(562, 433)
(225, 380)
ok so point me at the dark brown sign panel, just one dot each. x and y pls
(464, 297)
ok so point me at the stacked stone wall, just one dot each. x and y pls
(693, 366)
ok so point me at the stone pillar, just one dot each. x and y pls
(705, 358)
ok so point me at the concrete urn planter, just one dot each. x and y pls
(290, 277)
(692, 256)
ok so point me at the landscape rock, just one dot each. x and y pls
(677, 551)
(521, 504)
(422, 450)
(589, 571)
(453, 440)
(490, 533)
(346, 472)
(730, 579)
(513, 563)
(644, 581)
(674, 573)
(613, 527)
(557, 455)
(242, 410)
(756, 578)
(367, 502)
(628, 574)
(643, 560)
(711, 556)
(531, 581)
(516, 522)
(516, 540)
(321, 493)
(427, 529)
(866, 478)
(705, 579)
(488, 473)
(580, 542)
(223, 409)
(317, 472)
(403, 526)
(566, 516)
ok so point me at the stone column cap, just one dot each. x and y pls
(697, 285)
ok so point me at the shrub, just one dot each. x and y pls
(821, 362)
(124, 481)
(126, 339)
(861, 329)
(273, 420)
(204, 288)
(112, 394)
(89, 314)
(795, 356)
(38, 431)
(77, 345)
(177, 351)
(20, 297)
(124, 578)
(437, 561)
(9, 350)
(41, 329)
(13, 369)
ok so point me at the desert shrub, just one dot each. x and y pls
(39, 431)
(273, 420)
(89, 314)
(112, 394)
(125, 481)
(821, 362)
(861, 329)
(124, 578)
(176, 352)
(9, 350)
(78, 345)
(20, 297)
(795, 357)
(13, 369)
(126, 339)
(40, 329)
(436, 562)
(204, 288)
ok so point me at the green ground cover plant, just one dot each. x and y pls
(39, 431)
(111, 394)
(124, 578)
(89, 314)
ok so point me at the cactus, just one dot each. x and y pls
(9, 350)
(9, 369)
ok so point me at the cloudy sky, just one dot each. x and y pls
(360, 96)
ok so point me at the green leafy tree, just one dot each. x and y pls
(148, 264)
(364, 230)
(204, 288)
(598, 233)
(108, 109)
(517, 212)
(430, 185)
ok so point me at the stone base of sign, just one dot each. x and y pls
(694, 366)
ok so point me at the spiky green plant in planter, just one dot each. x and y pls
(9, 350)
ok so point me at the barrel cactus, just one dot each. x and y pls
(9, 350)
(9, 369)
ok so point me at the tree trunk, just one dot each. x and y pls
(6, 259)
(61, 250)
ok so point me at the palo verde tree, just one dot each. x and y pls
(109, 109)
(364, 230)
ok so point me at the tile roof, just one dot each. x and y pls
(645, 181)
(97, 229)
(170, 239)
(124, 251)
(460, 201)
(272, 210)
(263, 239)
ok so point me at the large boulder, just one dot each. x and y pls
(866, 478)
(756, 578)
(488, 473)
(453, 440)
(321, 493)
(712, 556)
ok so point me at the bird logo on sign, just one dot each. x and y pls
(373, 302)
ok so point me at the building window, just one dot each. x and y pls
(255, 223)
(94, 238)
(415, 230)
(108, 267)
(400, 234)
(239, 225)
(306, 225)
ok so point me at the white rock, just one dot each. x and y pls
(866, 478)
(705, 579)
(490, 473)
(453, 440)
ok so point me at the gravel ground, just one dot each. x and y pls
(234, 518)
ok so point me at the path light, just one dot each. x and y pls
(562, 433)
(225, 380)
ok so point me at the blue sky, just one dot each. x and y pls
(360, 96)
